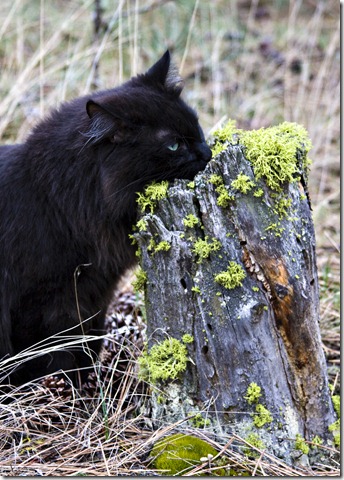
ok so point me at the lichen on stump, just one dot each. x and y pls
(240, 277)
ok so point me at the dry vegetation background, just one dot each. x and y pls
(258, 62)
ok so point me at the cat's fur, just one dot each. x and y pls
(68, 203)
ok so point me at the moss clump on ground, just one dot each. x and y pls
(164, 361)
(177, 454)
(151, 195)
(232, 277)
(253, 393)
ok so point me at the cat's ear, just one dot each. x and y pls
(165, 73)
(103, 124)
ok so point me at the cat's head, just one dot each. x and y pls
(144, 131)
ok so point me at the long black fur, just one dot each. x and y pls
(68, 203)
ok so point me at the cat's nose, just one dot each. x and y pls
(204, 151)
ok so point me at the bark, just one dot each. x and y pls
(265, 331)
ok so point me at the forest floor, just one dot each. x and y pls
(260, 62)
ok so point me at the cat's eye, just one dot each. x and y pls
(173, 147)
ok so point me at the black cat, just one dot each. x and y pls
(68, 203)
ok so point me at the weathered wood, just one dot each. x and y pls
(264, 331)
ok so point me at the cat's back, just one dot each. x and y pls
(9, 154)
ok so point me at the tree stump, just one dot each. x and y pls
(230, 263)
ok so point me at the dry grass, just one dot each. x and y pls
(259, 62)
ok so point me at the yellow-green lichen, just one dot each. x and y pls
(187, 338)
(151, 195)
(300, 444)
(223, 136)
(203, 248)
(142, 225)
(275, 228)
(224, 198)
(258, 193)
(162, 246)
(273, 153)
(196, 289)
(262, 416)
(164, 361)
(190, 221)
(253, 393)
(216, 179)
(317, 441)
(154, 247)
(281, 206)
(140, 280)
(242, 183)
(255, 441)
(336, 404)
(179, 453)
(199, 422)
(334, 428)
(232, 277)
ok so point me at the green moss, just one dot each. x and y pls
(224, 198)
(317, 441)
(187, 338)
(263, 416)
(140, 280)
(164, 361)
(163, 246)
(199, 422)
(190, 221)
(196, 289)
(223, 136)
(336, 404)
(242, 183)
(152, 194)
(203, 248)
(253, 393)
(281, 206)
(142, 225)
(300, 444)
(191, 185)
(258, 193)
(255, 441)
(275, 228)
(178, 453)
(273, 153)
(334, 428)
(216, 179)
(154, 247)
(232, 277)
